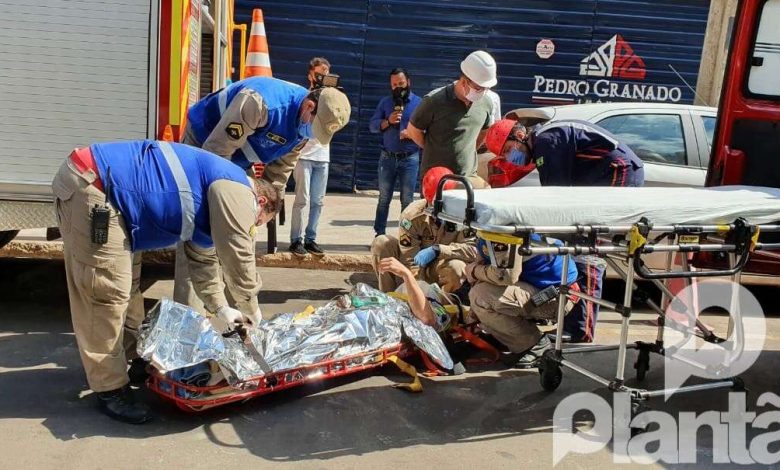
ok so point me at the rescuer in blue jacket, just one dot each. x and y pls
(113, 199)
(501, 296)
(260, 120)
(567, 153)
(265, 120)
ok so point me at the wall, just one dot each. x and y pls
(715, 52)
(633, 50)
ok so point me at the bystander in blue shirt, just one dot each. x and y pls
(391, 138)
(399, 158)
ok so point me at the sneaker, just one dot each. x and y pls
(531, 358)
(137, 371)
(313, 248)
(297, 249)
(120, 405)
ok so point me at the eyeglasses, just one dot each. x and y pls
(473, 85)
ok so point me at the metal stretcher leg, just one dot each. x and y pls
(562, 305)
(626, 313)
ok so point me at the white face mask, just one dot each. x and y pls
(474, 95)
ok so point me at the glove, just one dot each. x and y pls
(255, 318)
(229, 315)
(426, 256)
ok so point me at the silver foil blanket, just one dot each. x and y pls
(174, 336)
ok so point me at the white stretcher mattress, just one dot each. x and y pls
(560, 206)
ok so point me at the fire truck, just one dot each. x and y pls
(746, 146)
(74, 73)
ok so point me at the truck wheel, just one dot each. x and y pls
(6, 236)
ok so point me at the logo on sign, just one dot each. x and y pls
(613, 60)
(545, 49)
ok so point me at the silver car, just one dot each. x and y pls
(673, 140)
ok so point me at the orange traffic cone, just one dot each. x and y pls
(258, 62)
(167, 135)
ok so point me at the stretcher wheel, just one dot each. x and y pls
(550, 374)
(642, 364)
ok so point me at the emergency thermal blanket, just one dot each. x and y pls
(174, 337)
(560, 206)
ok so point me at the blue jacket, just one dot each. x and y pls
(578, 153)
(161, 189)
(267, 144)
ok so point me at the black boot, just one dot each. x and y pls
(120, 405)
(137, 371)
(531, 358)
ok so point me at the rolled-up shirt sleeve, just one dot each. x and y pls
(232, 215)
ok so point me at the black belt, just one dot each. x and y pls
(399, 154)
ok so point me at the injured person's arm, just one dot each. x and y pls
(418, 303)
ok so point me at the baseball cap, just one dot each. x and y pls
(333, 112)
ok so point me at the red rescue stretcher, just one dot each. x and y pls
(193, 399)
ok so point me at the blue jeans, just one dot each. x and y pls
(392, 169)
(311, 180)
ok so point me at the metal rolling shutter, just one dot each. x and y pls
(73, 73)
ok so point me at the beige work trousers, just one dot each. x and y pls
(508, 313)
(447, 273)
(106, 304)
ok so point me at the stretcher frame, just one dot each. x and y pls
(628, 243)
(196, 398)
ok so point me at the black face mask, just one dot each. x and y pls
(401, 95)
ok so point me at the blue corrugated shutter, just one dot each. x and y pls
(365, 39)
(333, 29)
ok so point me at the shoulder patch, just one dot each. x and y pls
(405, 241)
(406, 224)
(276, 138)
(253, 230)
(235, 130)
(540, 161)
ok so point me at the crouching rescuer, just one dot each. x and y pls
(115, 199)
(509, 296)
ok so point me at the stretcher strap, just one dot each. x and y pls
(432, 369)
(304, 314)
(478, 343)
(415, 386)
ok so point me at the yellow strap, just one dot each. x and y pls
(306, 312)
(409, 370)
(754, 239)
(500, 238)
(636, 240)
(399, 296)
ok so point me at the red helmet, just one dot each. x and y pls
(431, 181)
(498, 133)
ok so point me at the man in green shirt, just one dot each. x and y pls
(451, 122)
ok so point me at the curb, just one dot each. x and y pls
(329, 262)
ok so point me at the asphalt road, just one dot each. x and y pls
(491, 417)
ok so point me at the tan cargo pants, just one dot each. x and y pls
(508, 313)
(106, 304)
(447, 273)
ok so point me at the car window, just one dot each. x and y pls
(765, 63)
(655, 138)
(709, 128)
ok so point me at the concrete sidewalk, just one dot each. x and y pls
(345, 232)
